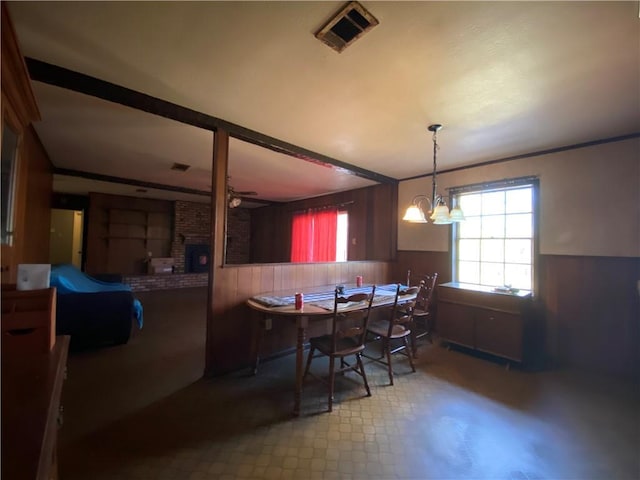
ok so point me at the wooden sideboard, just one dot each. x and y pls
(481, 319)
(31, 392)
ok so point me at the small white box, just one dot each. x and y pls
(161, 265)
(33, 276)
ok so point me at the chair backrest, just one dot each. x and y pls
(401, 312)
(354, 323)
(425, 295)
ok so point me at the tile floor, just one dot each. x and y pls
(129, 415)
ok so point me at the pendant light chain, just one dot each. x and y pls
(439, 212)
(434, 200)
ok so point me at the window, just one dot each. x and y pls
(319, 236)
(7, 189)
(496, 245)
(342, 235)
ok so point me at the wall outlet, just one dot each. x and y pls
(268, 324)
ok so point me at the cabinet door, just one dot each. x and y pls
(499, 333)
(456, 323)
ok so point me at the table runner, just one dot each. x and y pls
(325, 299)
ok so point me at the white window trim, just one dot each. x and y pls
(505, 184)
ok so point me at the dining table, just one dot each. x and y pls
(318, 304)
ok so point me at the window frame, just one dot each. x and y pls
(8, 228)
(500, 185)
(343, 212)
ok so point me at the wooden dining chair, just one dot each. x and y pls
(347, 338)
(421, 314)
(396, 328)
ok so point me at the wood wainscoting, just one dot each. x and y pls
(235, 324)
(421, 263)
(590, 308)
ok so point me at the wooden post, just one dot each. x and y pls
(217, 240)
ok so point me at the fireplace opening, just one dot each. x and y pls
(197, 258)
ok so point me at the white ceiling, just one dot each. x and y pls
(93, 135)
(505, 78)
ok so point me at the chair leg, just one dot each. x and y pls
(364, 375)
(414, 342)
(388, 350)
(385, 346)
(332, 376)
(309, 358)
(408, 351)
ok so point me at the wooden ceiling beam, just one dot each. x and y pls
(61, 77)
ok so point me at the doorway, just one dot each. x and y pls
(66, 237)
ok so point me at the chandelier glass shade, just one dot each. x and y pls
(435, 207)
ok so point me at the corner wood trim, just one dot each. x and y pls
(15, 77)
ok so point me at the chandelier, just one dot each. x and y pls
(437, 205)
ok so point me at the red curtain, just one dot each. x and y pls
(302, 238)
(313, 236)
(324, 235)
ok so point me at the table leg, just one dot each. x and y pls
(302, 327)
(257, 343)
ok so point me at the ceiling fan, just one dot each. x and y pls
(234, 196)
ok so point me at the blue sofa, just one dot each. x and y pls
(91, 311)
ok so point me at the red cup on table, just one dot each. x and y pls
(359, 281)
(299, 301)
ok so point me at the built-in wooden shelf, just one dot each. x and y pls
(126, 230)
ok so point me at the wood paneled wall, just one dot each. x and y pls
(372, 224)
(39, 186)
(589, 306)
(421, 263)
(592, 309)
(234, 323)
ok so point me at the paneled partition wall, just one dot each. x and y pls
(235, 324)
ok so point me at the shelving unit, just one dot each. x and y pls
(131, 233)
(138, 224)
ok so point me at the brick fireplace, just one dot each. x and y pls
(191, 229)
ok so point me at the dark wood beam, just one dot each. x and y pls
(140, 183)
(127, 181)
(61, 77)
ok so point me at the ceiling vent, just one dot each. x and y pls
(181, 167)
(346, 27)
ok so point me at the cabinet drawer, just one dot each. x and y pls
(483, 320)
(456, 323)
(499, 333)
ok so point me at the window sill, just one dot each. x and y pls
(484, 289)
